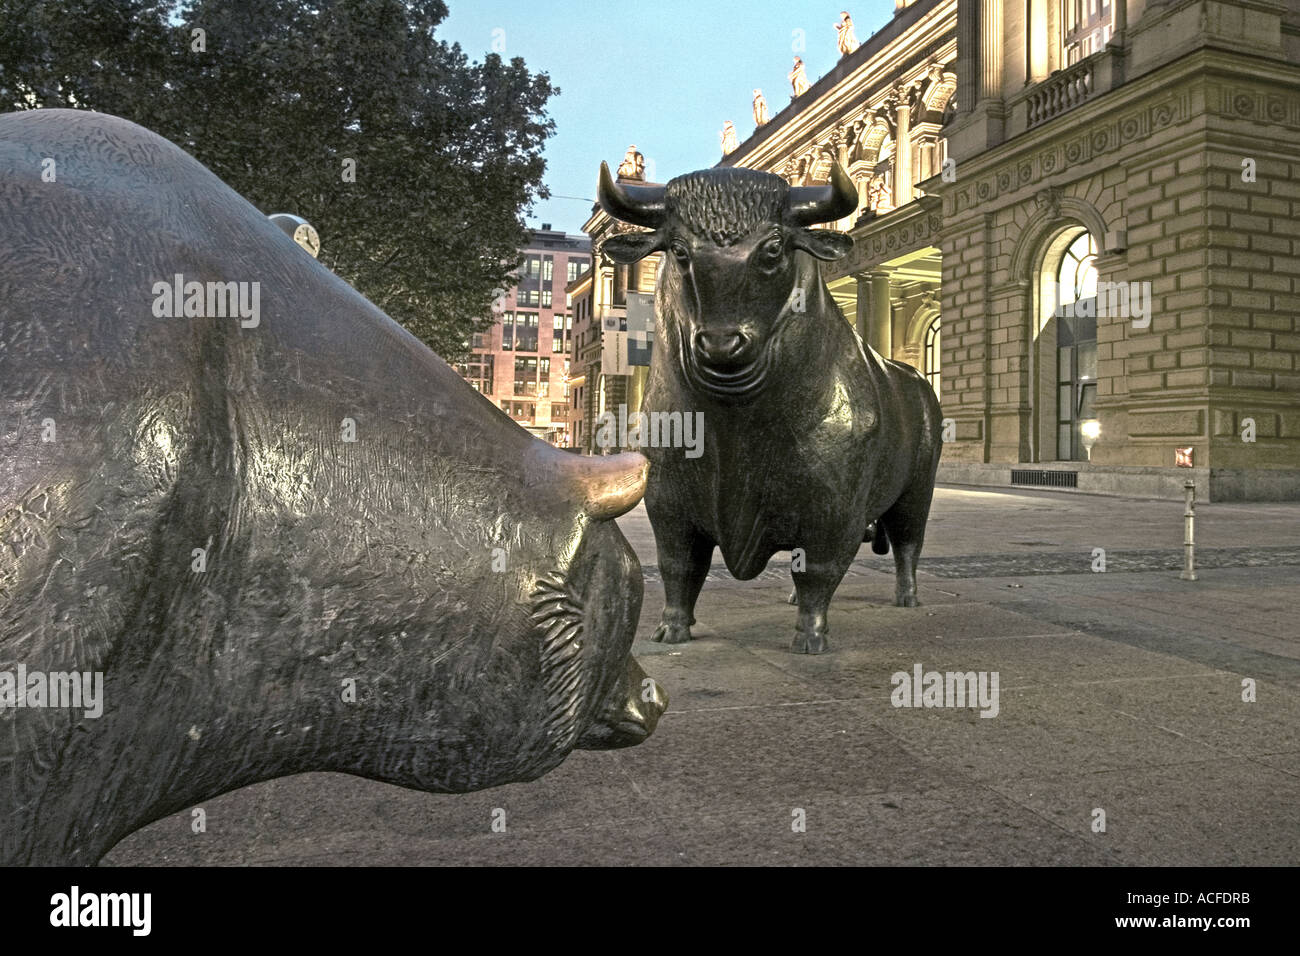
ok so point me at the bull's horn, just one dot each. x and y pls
(611, 485)
(809, 204)
(639, 205)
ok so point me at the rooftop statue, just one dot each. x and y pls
(798, 78)
(729, 139)
(845, 38)
(633, 165)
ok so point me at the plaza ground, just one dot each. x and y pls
(1119, 691)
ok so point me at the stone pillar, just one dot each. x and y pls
(1037, 43)
(991, 42)
(1120, 22)
(882, 317)
(864, 306)
(968, 35)
(903, 152)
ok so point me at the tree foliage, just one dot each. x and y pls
(448, 152)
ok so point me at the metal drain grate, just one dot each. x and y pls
(1052, 479)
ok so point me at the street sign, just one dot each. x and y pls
(613, 355)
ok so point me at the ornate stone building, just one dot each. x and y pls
(598, 302)
(1103, 280)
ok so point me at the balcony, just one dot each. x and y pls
(1062, 92)
(1066, 89)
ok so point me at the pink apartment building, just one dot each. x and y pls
(522, 362)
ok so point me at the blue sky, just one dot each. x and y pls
(663, 75)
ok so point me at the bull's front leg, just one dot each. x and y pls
(814, 587)
(684, 557)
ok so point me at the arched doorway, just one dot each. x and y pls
(1067, 347)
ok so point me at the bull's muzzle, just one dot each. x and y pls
(724, 348)
(630, 714)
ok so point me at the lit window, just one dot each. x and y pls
(1076, 348)
(1085, 28)
(932, 354)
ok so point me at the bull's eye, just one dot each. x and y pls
(681, 253)
(770, 252)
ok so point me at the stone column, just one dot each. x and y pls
(864, 306)
(1120, 22)
(968, 32)
(1037, 42)
(991, 42)
(882, 318)
(903, 151)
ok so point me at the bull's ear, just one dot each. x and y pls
(631, 246)
(825, 244)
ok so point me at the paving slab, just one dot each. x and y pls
(947, 826)
(1222, 812)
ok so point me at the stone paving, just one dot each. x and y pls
(1119, 692)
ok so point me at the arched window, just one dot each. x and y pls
(932, 355)
(1077, 275)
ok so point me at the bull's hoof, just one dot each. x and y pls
(672, 633)
(814, 643)
(794, 596)
(907, 600)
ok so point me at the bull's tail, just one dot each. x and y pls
(876, 535)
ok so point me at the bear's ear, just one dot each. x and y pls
(632, 246)
(825, 244)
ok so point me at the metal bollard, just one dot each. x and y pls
(1189, 532)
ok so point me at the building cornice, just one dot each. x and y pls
(1207, 83)
(898, 55)
(908, 229)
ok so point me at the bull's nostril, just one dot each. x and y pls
(720, 345)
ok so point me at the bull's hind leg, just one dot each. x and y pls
(904, 523)
(684, 559)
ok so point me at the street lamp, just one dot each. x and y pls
(1089, 430)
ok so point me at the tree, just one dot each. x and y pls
(275, 95)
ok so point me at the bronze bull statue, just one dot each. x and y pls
(813, 442)
(251, 527)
